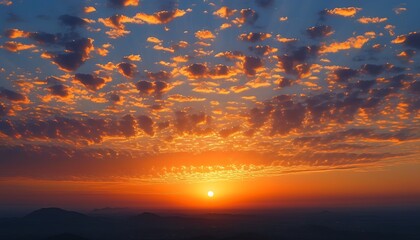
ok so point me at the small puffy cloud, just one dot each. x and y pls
(204, 34)
(254, 37)
(156, 88)
(263, 50)
(154, 40)
(16, 33)
(367, 20)
(123, 3)
(251, 65)
(89, 9)
(127, 69)
(319, 31)
(59, 90)
(133, 57)
(345, 12)
(161, 17)
(13, 46)
(248, 16)
(145, 123)
(224, 12)
(192, 123)
(90, 81)
(77, 52)
(410, 40)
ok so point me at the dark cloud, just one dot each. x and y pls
(251, 64)
(192, 123)
(285, 82)
(343, 74)
(248, 16)
(372, 69)
(91, 82)
(59, 90)
(146, 124)
(3, 110)
(115, 98)
(197, 69)
(319, 31)
(77, 52)
(412, 40)
(254, 36)
(296, 63)
(81, 131)
(72, 21)
(127, 69)
(156, 88)
(161, 75)
(122, 3)
(12, 95)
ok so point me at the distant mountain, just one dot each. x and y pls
(56, 215)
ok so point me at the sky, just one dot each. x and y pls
(151, 104)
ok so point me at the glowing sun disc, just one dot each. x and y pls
(210, 194)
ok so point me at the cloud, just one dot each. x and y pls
(12, 95)
(410, 40)
(59, 90)
(344, 12)
(123, 3)
(89, 81)
(72, 21)
(319, 31)
(161, 17)
(13, 46)
(224, 12)
(248, 16)
(146, 124)
(353, 42)
(204, 34)
(156, 88)
(251, 65)
(367, 20)
(127, 69)
(77, 52)
(182, 98)
(254, 37)
(192, 123)
(296, 63)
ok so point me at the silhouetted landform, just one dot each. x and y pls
(59, 224)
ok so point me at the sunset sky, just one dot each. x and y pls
(151, 104)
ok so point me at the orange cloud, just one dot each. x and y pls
(181, 98)
(161, 17)
(132, 57)
(16, 46)
(224, 12)
(353, 42)
(345, 12)
(16, 33)
(89, 9)
(254, 37)
(204, 34)
(367, 20)
(154, 40)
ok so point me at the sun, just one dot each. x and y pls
(210, 194)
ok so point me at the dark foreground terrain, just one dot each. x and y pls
(59, 224)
